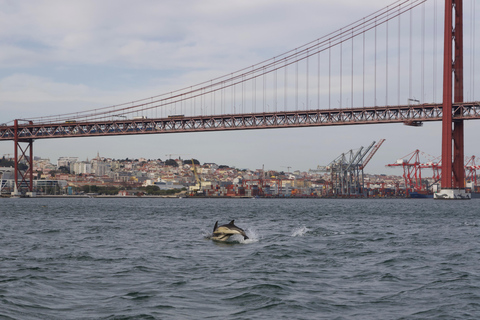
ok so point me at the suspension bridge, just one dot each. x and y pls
(367, 72)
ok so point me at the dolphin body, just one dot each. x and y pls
(224, 232)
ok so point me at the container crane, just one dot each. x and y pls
(347, 172)
(372, 153)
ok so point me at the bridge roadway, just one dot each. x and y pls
(408, 114)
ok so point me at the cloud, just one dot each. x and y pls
(154, 34)
(61, 56)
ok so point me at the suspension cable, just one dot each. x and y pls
(191, 93)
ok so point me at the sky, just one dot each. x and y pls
(63, 56)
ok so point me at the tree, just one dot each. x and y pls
(171, 162)
(10, 163)
(64, 169)
(153, 189)
(195, 161)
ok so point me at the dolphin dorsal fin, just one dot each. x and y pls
(232, 222)
(215, 227)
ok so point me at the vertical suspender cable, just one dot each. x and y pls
(329, 74)
(398, 57)
(423, 54)
(156, 109)
(473, 50)
(182, 105)
(264, 90)
(233, 97)
(434, 82)
(222, 110)
(224, 100)
(473, 55)
(254, 94)
(375, 69)
(318, 80)
(308, 58)
(212, 101)
(192, 104)
(275, 97)
(351, 78)
(472, 71)
(363, 67)
(386, 60)
(296, 85)
(243, 93)
(410, 60)
(341, 68)
(285, 87)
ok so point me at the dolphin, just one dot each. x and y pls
(224, 232)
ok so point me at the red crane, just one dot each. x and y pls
(436, 167)
(411, 171)
(471, 171)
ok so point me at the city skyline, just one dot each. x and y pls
(58, 162)
(60, 57)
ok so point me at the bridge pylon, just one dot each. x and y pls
(23, 153)
(453, 173)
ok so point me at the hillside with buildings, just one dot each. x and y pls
(141, 176)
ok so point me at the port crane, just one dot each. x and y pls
(198, 185)
(346, 171)
(412, 170)
(412, 173)
(372, 153)
(471, 171)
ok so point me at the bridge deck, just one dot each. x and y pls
(409, 114)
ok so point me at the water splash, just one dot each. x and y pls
(253, 236)
(300, 232)
(206, 234)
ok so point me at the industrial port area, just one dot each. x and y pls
(343, 177)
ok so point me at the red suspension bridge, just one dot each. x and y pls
(383, 68)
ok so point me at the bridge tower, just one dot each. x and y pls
(453, 173)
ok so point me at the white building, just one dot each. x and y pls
(81, 167)
(100, 168)
(168, 185)
(66, 161)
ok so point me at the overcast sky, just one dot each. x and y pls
(63, 56)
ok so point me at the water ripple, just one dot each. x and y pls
(305, 259)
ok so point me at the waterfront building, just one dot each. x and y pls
(168, 185)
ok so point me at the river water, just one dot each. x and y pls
(305, 259)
